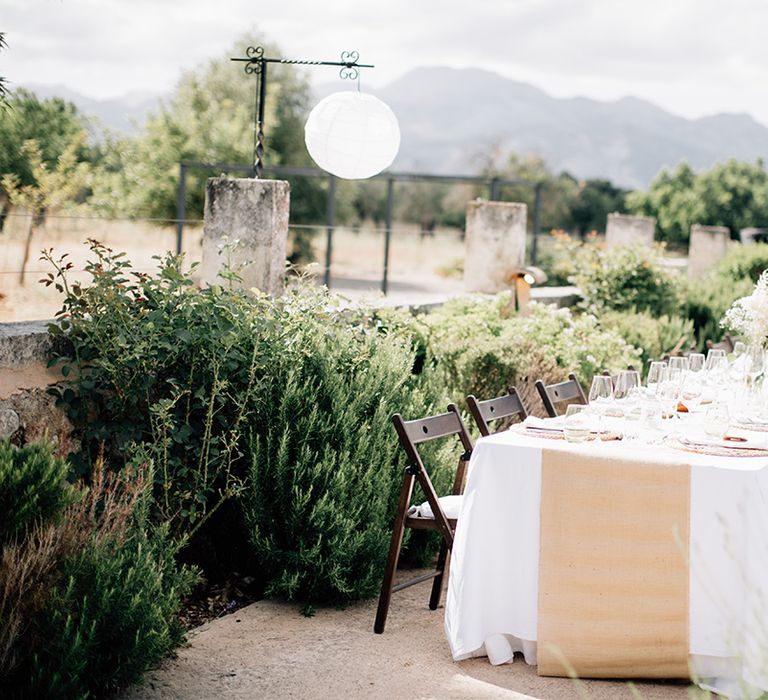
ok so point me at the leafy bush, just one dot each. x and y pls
(654, 337)
(479, 345)
(89, 593)
(743, 262)
(113, 611)
(232, 394)
(323, 461)
(627, 278)
(33, 488)
(706, 301)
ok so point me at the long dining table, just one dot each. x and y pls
(614, 559)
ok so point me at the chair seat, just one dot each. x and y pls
(451, 506)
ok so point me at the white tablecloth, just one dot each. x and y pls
(491, 606)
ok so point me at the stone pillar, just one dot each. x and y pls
(246, 227)
(495, 244)
(708, 245)
(623, 229)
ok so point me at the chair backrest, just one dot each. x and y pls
(508, 406)
(553, 395)
(414, 432)
(725, 344)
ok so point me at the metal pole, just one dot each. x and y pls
(259, 144)
(330, 224)
(181, 206)
(536, 222)
(494, 194)
(387, 233)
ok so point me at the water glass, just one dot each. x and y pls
(576, 425)
(717, 420)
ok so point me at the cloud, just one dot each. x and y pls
(691, 56)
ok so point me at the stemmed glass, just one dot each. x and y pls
(696, 362)
(657, 373)
(679, 363)
(754, 363)
(626, 382)
(600, 394)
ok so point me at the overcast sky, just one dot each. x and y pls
(693, 57)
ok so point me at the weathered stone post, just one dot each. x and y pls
(623, 229)
(707, 246)
(495, 244)
(246, 228)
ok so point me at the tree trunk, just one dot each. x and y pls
(4, 211)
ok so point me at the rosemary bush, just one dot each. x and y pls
(89, 588)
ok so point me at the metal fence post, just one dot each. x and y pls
(387, 233)
(181, 206)
(330, 224)
(536, 222)
(494, 192)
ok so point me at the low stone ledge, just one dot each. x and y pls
(24, 343)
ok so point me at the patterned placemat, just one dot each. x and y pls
(558, 434)
(536, 432)
(716, 450)
(753, 427)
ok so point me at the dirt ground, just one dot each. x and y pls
(417, 267)
(269, 650)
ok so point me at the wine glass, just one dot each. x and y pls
(754, 363)
(692, 390)
(679, 363)
(739, 348)
(657, 373)
(626, 381)
(714, 357)
(600, 393)
(696, 362)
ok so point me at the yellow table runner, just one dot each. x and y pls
(613, 568)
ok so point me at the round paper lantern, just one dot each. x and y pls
(352, 135)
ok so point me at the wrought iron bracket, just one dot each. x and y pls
(256, 64)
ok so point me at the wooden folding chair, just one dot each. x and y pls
(508, 406)
(412, 433)
(565, 392)
(726, 343)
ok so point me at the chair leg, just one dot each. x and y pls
(437, 584)
(394, 554)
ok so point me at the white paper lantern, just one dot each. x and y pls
(352, 135)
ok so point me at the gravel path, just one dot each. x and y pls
(269, 650)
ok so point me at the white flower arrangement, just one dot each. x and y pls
(748, 316)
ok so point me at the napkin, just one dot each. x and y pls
(450, 505)
(544, 423)
(709, 441)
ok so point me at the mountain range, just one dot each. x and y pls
(456, 120)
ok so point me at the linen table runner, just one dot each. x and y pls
(613, 567)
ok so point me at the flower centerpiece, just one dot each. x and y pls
(748, 316)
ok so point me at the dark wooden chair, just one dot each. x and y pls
(508, 406)
(727, 344)
(566, 392)
(411, 434)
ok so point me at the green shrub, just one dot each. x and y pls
(627, 278)
(92, 599)
(114, 611)
(654, 337)
(743, 262)
(33, 488)
(479, 345)
(326, 466)
(706, 301)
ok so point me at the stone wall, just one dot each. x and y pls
(27, 412)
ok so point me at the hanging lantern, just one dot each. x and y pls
(352, 135)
